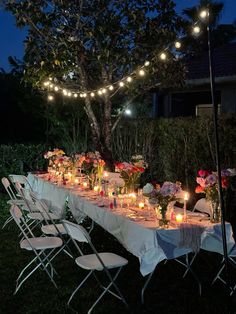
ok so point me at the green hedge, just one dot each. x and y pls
(20, 158)
(176, 148)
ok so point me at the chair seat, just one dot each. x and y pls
(23, 204)
(41, 243)
(51, 229)
(42, 216)
(91, 261)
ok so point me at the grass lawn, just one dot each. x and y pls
(167, 292)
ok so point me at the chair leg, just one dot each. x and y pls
(9, 219)
(145, 286)
(79, 286)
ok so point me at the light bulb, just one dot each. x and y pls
(92, 94)
(50, 98)
(56, 88)
(50, 78)
(81, 95)
(128, 112)
(84, 95)
(196, 30)
(99, 92)
(51, 85)
(129, 79)
(75, 95)
(163, 56)
(203, 14)
(64, 92)
(46, 83)
(177, 44)
(147, 63)
(141, 72)
(69, 94)
(104, 90)
(121, 84)
(111, 87)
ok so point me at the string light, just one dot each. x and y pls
(203, 14)
(163, 56)
(177, 44)
(141, 72)
(50, 98)
(196, 29)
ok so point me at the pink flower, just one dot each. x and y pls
(203, 173)
(201, 182)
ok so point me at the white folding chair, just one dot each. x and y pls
(95, 262)
(203, 206)
(44, 248)
(21, 179)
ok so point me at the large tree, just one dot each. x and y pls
(85, 45)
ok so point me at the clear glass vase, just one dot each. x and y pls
(215, 212)
(163, 221)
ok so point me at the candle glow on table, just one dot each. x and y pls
(85, 184)
(141, 205)
(96, 187)
(76, 181)
(179, 218)
(105, 174)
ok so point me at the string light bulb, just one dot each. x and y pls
(111, 87)
(104, 90)
(50, 98)
(129, 79)
(56, 89)
(163, 56)
(69, 94)
(46, 83)
(204, 14)
(196, 30)
(75, 95)
(50, 78)
(177, 44)
(121, 84)
(92, 94)
(147, 63)
(141, 72)
(84, 95)
(64, 92)
(81, 95)
(99, 92)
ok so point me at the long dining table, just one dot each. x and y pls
(137, 230)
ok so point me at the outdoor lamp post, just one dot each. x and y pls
(204, 15)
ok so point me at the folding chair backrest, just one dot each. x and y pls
(20, 221)
(20, 179)
(76, 232)
(7, 185)
(203, 206)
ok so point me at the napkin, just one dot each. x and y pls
(190, 236)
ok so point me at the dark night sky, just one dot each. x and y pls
(11, 38)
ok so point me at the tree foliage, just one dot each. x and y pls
(89, 44)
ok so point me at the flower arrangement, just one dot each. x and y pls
(54, 153)
(131, 172)
(208, 184)
(162, 195)
(93, 166)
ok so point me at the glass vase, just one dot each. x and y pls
(215, 212)
(163, 221)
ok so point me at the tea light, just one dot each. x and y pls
(141, 205)
(85, 184)
(179, 218)
(96, 188)
(76, 181)
(59, 165)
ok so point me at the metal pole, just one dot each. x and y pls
(218, 166)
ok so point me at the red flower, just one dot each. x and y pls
(199, 189)
(224, 183)
(120, 165)
(203, 173)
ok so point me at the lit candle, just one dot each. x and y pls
(59, 165)
(96, 187)
(185, 206)
(105, 174)
(85, 184)
(76, 181)
(141, 205)
(179, 218)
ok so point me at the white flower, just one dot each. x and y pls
(148, 188)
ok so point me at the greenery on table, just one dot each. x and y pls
(167, 292)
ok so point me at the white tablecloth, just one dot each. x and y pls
(140, 237)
